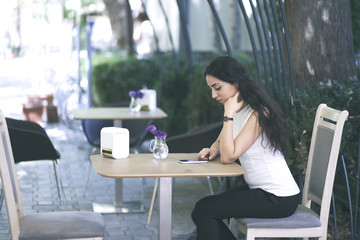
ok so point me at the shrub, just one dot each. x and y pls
(182, 93)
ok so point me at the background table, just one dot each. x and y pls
(117, 114)
(144, 165)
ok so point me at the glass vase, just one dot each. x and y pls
(159, 147)
(135, 105)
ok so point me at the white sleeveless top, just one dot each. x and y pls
(264, 168)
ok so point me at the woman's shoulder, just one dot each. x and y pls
(244, 114)
(246, 110)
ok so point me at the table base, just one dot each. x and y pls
(128, 207)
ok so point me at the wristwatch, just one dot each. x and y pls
(228, 119)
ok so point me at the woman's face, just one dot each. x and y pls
(220, 90)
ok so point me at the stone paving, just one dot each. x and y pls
(39, 192)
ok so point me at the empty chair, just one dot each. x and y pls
(194, 140)
(52, 225)
(319, 179)
(92, 130)
(30, 142)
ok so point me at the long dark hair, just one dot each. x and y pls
(230, 70)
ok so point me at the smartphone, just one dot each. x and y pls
(192, 161)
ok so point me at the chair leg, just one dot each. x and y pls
(210, 185)
(87, 177)
(1, 198)
(59, 183)
(153, 200)
(94, 149)
(233, 227)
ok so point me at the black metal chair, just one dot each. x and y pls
(45, 225)
(194, 140)
(30, 142)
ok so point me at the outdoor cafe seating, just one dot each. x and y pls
(46, 225)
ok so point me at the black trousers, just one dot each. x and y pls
(209, 212)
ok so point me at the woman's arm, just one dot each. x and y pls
(212, 152)
(231, 149)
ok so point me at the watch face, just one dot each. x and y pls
(227, 119)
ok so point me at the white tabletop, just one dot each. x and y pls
(145, 165)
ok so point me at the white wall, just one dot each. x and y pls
(158, 20)
(202, 23)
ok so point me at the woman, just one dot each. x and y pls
(253, 132)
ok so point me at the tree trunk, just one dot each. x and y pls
(321, 39)
(120, 16)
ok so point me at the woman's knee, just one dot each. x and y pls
(200, 209)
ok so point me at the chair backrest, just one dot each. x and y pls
(323, 156)
(29, 141)
(137, 127)
(92, 130)
(9, 180)
(194, 140)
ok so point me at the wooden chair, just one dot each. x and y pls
(319, 179)
(52, 225)
(30, 142)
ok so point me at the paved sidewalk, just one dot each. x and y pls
(39, 191)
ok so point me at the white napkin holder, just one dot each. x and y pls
(148, 99)
(114, 142)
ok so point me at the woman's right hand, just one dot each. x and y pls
(207, 154)
(232, 105)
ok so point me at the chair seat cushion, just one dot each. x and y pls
(302, 218)
(62, 225)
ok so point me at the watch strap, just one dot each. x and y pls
(226, 118)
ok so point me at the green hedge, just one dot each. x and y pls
(339, 95)
(114, 78)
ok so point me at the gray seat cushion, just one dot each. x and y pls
(302, 218)
(62, 225)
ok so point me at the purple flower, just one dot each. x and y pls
(136, 94)
(160, 134)
(139, 94)
(132, 93)
(151, 128)
(157, 133)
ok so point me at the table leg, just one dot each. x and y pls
(118, 193)
(119, 206)
(165, 208)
